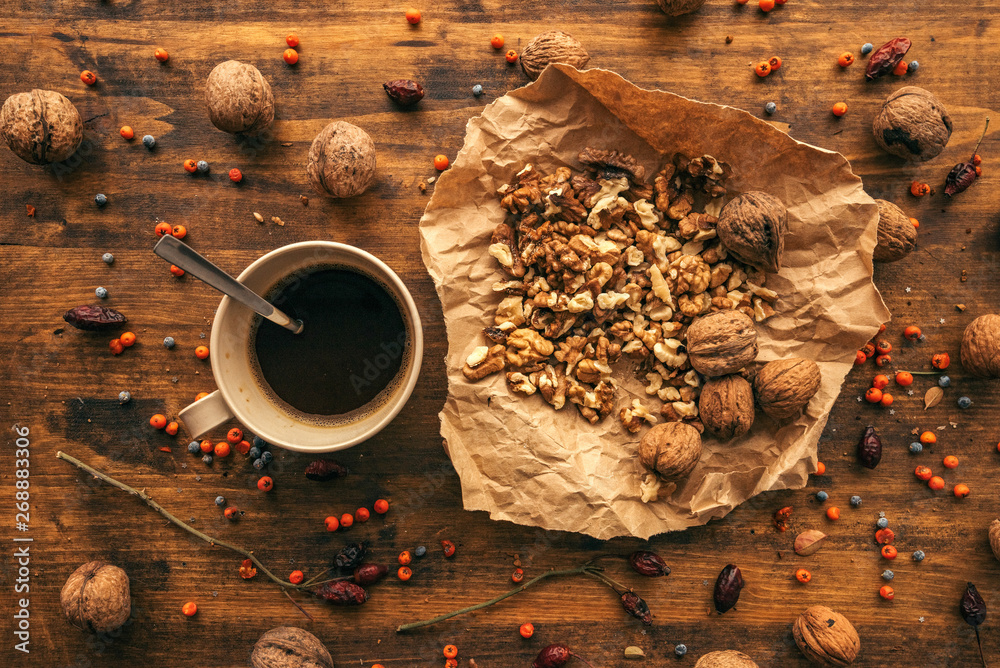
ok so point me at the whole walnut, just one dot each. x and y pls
(729, 658)
(678, 7)
(96, 597)
(290, 647)
(341, 160)
(912, 124)
(553, 46)
(726, 407)
(825, 637)
(896, 234)
(239, 98)
(784, 387)
(671, 449)
(721, 343)
(981, 347)
(752, 227)
(994, 534)
(41, 126)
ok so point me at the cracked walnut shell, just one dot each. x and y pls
(239, 99)
(96, 597)
(784, 387)
(721, 343)
(752, 227)
(290, 647)
(981, 347)
(729, 658)
(726, 407)
(41, 127)
(671, 450)
(912, 124)
(896, 234)
(825, 637)
(341, 160)
(553, 46)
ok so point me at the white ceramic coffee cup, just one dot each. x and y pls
(240, 394)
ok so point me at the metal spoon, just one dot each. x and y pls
(177, 252)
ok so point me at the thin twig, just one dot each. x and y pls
(978, 641)
(301, 609)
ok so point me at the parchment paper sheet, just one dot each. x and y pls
(522, 461)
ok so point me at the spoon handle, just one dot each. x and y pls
(177, 252)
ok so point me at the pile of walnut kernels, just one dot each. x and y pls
(602, 265)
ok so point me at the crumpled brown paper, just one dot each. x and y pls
(522, 461)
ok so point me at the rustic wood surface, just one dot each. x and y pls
(63, 384)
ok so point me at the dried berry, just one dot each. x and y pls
(368, 574)
(635, 606)
(404, 92)
(342, 592)
(870, 448)
(325, 469)
(553, 656)
(648, 563)
(350, 556)
(886, 57)
(964, 174)
(781, 517)
(727, 588)
(973, 609)
(94, 318)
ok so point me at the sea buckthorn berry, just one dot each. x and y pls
(886, 592)
(497, 41)
(901, 68)
(235, 175)
(189, 609)
(88, 77)
(116, 347)
(936, 483)
(234, 435)
(883, 347)
(918, 189)
(889, 552)
(833, 513)
(517, 577)
(126, 132)
(961, 491)
(923, 472)
(511, 56)
(882, 360)
(206, 446)
(362, 514)
(243, 447)
(161, 55)
(928, 438)
(979, 171)
(381, 506)
(451, 663)
(292, 40)
(904, 378)
(190, 166)
(527, 630)
(880, 382)
(950, 462)
(172, 428)
(873, 395)
(775, 63)
(179, 231)
(163, 229)
(201, 352)
(885, 536)
(404, 558)
(882, 328)
(839, 109)
(332, 523)
(413, 16)
(976, 160)
(886, 399)
(450, 651)
(346, 520)
(296, 577)
(762, 69)
(869, 349)
(176, 271)
(127, 339)
(232, 513)
(860, 358)
(448, 547)
(440, 162)
(290, 56)
(912, 333)
(158, 421)
(916, 224)
(820, 468)
(765, 5)
(940, 361)
(803, 576)
(222, 449)
(265, 484)
(846, 59)
(404, 573)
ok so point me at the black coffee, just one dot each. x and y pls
(352, 347)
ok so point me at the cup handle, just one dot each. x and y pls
(205, 414)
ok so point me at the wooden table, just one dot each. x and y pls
(63, 384)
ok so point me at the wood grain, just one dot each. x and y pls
(63, 384)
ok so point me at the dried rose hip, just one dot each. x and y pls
(554, 656)
(350, 557)
(325, 469)
(94, 318)
(342, 593)
(870, 448)
(885, 58)
(727, 588)
(635, 606)
(404, 91)
(368, 574)
(648, 563)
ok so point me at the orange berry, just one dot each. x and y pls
(860, 358)
(846, 59)
(869, 349)
(803, 576)
(961, 491)
(232, 513)
(527, 630)
(190, 166)
(450, 651)
(189, 609)
(346, 520)
(243, 447)
(404, 558)
(511, 56)
(234, 435)
(362, 514)
(928, 438)
(163, 229)
(915, 222)
(290, 56)
(381, 506)
(292, 40)
(881, 328)
(126, 132)
(235, 175)
(880, 382)
(116, 347)
(765, 5)
(404, 573)
(413, 16)
(904, 378)
(172, 428)
(883, 347)
(918, 189)
(839, 109)
(775, 63)
(820, 468)
(979, 171)
(940, 361)
(441, 162)
(951, 462)
(882, 360)
(206, 446)
(912, 333)
(976, 160)
(762, 69)
(179, 231)
(158, 421)
(201, 352)
(332, 523)
(127, 339)
(873, 395)
(200, 396)
(222, 449)
(296, 577)
(923, 472)
(889, 552)
(265, 484)
(497, 41)
(741, 2)
(885, 536)
(833, 513)
(176, 271)
(451, 663)
(936, 483)
(88, 77)
(886, 400)
(901, 68)
(887, 593)
(161, 55)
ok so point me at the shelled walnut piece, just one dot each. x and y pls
(601, 265)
